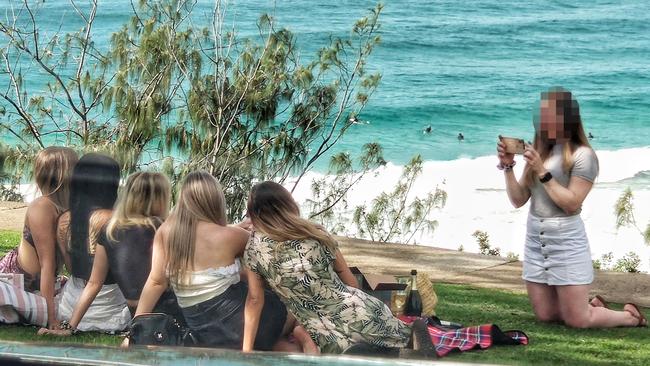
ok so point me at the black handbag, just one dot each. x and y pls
(158, 329)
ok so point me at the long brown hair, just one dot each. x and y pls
(142, 202)
(200, 199)
(274, 212)
(52, 173)
(567, 107)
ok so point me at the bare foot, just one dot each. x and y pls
(303, 338)
(125, 343)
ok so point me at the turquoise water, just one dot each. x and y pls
(475, 68)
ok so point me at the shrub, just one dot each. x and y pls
(512, 256)
(484, 246)
(629, 263)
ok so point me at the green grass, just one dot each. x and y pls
(549, 344)
(8, 241)
(28, 334)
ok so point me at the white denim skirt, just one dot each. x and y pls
(557, 251)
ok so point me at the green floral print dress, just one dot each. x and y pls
(301, 273)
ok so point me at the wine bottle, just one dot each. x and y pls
(414, 301)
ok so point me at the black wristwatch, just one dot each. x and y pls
(546, 177)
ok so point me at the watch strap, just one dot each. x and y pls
(546, 177)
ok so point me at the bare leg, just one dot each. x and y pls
(284, 345)
(544, 300)
(305, 343)
(308, 345)
(577, 313)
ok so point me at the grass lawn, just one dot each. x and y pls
(8, 241)
(549, 344)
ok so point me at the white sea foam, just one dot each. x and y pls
(477, 201)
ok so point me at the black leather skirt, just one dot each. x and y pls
(219, 322)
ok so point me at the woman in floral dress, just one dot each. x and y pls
(303, 265)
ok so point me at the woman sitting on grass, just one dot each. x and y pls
(37, 257)
(93, 191)
(303, 265)
(124, 247)
(561, 168)
(198, 254)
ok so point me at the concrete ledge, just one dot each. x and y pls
(43, 353)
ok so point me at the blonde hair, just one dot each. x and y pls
(200, 199)
(570, 112)
(52, 172)
(144, 198)
(274, 212)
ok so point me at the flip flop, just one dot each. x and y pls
(601, 300)
(643, 322)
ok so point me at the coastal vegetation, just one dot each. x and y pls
(624, 211)
(394, 215)
(484, 246)
(173, 94)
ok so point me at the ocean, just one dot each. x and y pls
(475, 68)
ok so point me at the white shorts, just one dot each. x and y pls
(557, 251)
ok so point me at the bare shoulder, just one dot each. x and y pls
(163, 230)
(65, 217)
(62, 230)
(40, 207)
(100, 218)
(237, 232)
(64, 221)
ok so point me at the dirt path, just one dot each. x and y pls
(442, 265)
(450, 266)
(12, 215)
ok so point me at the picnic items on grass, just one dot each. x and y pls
(446, 339)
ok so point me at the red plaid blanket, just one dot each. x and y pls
(468, 338)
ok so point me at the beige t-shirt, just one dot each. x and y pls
(585, 165)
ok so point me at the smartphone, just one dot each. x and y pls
(513, 145)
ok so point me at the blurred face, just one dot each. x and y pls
(551, 124)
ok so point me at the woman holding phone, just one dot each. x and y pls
(560, 171)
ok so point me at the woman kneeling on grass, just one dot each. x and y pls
(37, 257)
(560, 170)
(123, 249)
(198, 254)
(304, 266)
(93, 191)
